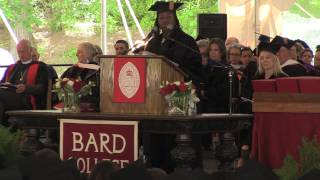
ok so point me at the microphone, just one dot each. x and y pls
(140, 45)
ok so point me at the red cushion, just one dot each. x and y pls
(287, 85)
(268, 85)
(309, 84)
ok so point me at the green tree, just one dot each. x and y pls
(19, 11)
(311, 6)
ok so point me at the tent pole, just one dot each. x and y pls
(104, 26)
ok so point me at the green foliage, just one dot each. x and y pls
(309, 160)
(188, 15)
(19, 12)
(61, 15)
(311, 6)
(289, 170)
(64, 14)
(309, 155)
(70, 55)
(9, 147)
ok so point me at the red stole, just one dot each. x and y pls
(31, 78)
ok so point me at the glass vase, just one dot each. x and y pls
(71, 102)
(178, 106)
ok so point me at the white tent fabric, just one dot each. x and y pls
(248, 18)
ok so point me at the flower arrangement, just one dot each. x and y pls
(70, 91)
(180, 96)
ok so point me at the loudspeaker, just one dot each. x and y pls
(212, 25)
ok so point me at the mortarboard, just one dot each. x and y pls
(273, 48)
(162, 6)
(278, 40)
(290, 43)
(264, 38)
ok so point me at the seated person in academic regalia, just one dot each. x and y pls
(268, 63)
(86, 70)
(289, 66)
(306, 59)
(24, 85)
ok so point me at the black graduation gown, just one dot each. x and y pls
(217, 87)
(294, 69)
(181, 49)
(86, 75)
(248, 74)
(10, 100)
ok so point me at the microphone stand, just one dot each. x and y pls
(230, 74)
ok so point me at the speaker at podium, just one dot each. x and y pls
(212, 26)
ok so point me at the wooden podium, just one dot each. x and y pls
(292, 95)
(284, 117)
(158, 69)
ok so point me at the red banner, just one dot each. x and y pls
(92, 141)
(129, 80)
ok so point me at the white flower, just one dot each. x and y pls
(70, 83)
(65, 79)
(177, 83)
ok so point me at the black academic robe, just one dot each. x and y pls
(293, 68)
(86, 75)
(180, 48)
(10, 100)
(248, 74)
(217, 87)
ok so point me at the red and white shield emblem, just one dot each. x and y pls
(129, 80)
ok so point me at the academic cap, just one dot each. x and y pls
(278, 40)
(290, 43)
(264, 38)
(273, 48)
(162, 6)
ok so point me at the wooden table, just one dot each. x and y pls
(182, 126)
